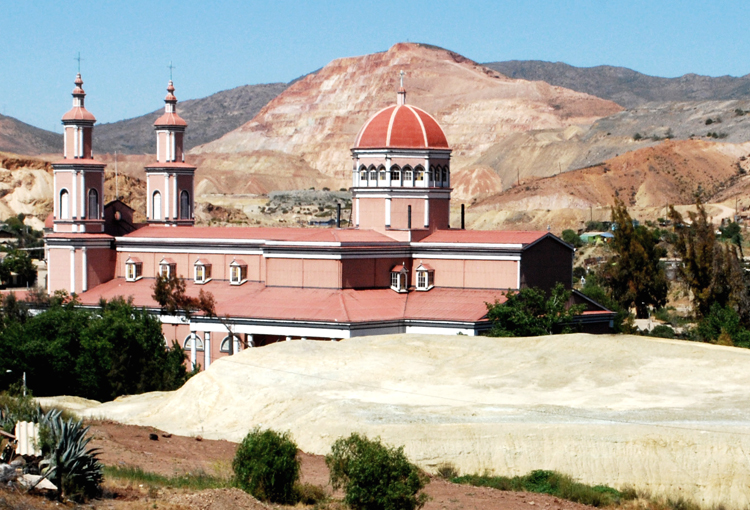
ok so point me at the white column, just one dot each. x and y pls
(55, 197)
(207, 347)
(250, 340)
(82, 204)
(65, 142)
(192, 350)
(236, 345)
(84, 271)
(72, 270)
(73, 195)
(149, 198)
(427, 170)
(357, 212)
(174, 146)
(174, 196)
(387, 212)
(288, 339)
(158, 135)
(426, 212)
(80, 142)
(75, 141)
(165, 205)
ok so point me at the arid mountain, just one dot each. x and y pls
(624, 86)
(208, 119)
(646, 180)
(21, 138)
(319, 116)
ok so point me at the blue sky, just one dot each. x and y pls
(126, 46)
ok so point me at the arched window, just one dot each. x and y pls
(156, 206)
(382, 175)
(373, 174)
(395, 173)
(445, 174)
(93, 204)
(408, 179)
(435, 171)
(188, 344)
(225, 344)
(362, 174)
(184, 205)
(64, 205)
(419, 173)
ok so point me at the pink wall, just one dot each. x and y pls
(303, 273)
(369, 273)
(59, 269)
(399, 212)
(372, 213)
(472, 274)
(101, 266)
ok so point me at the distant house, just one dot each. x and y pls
(7, 237)
(597, 237)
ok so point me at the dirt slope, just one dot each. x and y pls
(319, 116)
(663, 415)
(21, 138)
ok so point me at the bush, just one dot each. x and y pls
(266, 466)
(375, 476)
(662, 331)
(553, 483)
(572, 238)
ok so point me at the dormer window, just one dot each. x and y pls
(133, 269)
(425, 277)
(399, 278)
(202, 271)
(237, 272)
(167, 268)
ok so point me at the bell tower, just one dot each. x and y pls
(170, 181)
(78, 177)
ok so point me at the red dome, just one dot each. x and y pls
(401, 127)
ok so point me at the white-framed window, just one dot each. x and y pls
(185, 212)
(167, 268)
(188, 344)
(419, 173)
(133, 269)
(237, 272)
(225, 344)
(202, 271)
(425, 277)
(93, 211)
(400, 278)
(373, 175)
(64, 205)
(382, 175)
(407, 175)
(156, 205)
(395, 173)
(363, 175)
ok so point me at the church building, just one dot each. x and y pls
(399, 268)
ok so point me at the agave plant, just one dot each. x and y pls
(75, 469)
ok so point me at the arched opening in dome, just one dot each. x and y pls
(408, 176)
(395, 175)
(419, 175)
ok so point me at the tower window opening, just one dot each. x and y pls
(445, 174)
(64, 205)
(225, 344)
(407, 175)
(395, 173)
(373, 175)
(184, 205)
(363, 176)
(419, 173)
(156, 205)
(382, 175)
(93, 204)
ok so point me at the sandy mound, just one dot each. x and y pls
(664, 415)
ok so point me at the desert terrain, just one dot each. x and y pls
(665, 416)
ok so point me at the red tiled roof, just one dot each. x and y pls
(170, 119)
(485, 236)
(255, 300)
(402, 126)
(280, 234)
(79, 113)
(75, 235)
(79, 162)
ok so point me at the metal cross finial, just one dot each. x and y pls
(170, 70)
(402, 73)
(78, 58)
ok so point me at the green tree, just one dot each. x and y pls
(530, 312)
(375, 476)
(20, 263)
(572, 238)
(633, 274)
(266, 466)
(722, 325)
(712, 269)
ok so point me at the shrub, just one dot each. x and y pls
(447, 471)
(309, 494)
(74, 469)
(662, 331)
(266, 466)
(375, 476)
(572, 238)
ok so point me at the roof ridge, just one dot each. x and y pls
(421, 125)
(390, 126)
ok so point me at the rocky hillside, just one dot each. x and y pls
(208, 118)
(319, 116)
(21, 138)
(646, 179)
(624, 86)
